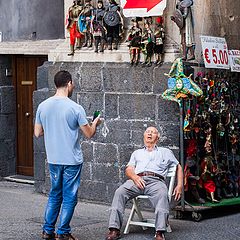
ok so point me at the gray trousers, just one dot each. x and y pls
(157, 192)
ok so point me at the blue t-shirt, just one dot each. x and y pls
(60, 118)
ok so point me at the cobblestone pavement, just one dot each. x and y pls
(21, 216)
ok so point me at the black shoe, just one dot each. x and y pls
(48, 236)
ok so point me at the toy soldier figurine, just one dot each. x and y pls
(184, 19)
(114, 24)
(98, 28)
(85, 23)
(159, 36)
(147, 40)
(134, 38)
(73, 27)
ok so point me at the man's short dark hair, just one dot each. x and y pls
(62, 78)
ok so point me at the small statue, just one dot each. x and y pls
(191, 182)
(159, 36)
(179, 85)
(148, 44)
(73, 27)
(114, 24)
(134, 38)
(184, 19)
(208, 175)
(98, 27)
(85, 22)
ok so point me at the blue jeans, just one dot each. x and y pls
(65, 181)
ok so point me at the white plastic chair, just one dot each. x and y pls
(145, 223)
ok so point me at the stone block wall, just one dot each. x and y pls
(7, 120)
(129, 99)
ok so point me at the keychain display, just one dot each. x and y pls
(212, 122)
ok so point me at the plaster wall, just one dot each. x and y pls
(219, 18)
(31, 20)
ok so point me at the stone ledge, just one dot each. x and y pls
(39, 47)
(57, 51)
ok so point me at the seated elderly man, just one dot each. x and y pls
(146, 171)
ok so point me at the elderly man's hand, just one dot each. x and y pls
(177, 192)
(139, 182)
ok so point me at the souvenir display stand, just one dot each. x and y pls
(209, 144)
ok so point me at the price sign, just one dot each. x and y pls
(215, 52)
(234, 58)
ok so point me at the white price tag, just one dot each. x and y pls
(234, 57)
(215, 52)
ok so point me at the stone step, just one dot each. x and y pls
(60, 54)
(57, 51)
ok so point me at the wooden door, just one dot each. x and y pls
(25, 75)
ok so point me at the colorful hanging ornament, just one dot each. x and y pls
(179, 85)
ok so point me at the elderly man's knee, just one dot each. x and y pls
(119, 192)
(163, 196)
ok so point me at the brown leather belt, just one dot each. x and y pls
(150, 174)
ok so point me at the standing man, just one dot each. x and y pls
(58, 118)
(146, 171)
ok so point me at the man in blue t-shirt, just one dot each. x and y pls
(58, 119)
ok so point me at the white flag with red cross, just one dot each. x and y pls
(143, 8)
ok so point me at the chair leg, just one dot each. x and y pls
(169, 229)
(138, 211)
(131, 215)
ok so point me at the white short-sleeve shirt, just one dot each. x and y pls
(157, 161)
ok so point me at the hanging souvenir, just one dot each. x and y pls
(179, 85)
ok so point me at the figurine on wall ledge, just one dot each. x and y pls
(147, 43)
(98, 27)
(179, 85)
(114, 24)
(159, 36)
(85, 22)
(134, 39)
(73, 27)
(184, 19)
